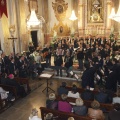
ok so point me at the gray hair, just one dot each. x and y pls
(49, 116)
(64, 96)
(71, 118)
(34, 112)
(52, 96)
(79, 102)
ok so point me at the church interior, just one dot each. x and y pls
(59, 59)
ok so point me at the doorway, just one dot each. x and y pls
(34, 38)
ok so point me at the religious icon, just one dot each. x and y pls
(61, 29)
(96, 11)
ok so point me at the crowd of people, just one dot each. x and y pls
(79, 108)
(97, 57)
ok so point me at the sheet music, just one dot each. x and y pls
(71, 72)
(91, 89)
(46, 75)
(72, 103)
(76, 76)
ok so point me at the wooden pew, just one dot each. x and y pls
(80, 90)
(3, 104)
(59, 115)
(23, 81)
(11, 89)
(103, 106)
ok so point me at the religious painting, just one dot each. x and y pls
(95, 11)
(60, 29)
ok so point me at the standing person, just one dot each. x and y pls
(58, 61)
(12, 67)
(85, 76)
(31, 47)
(68, 63)
(21, 67)
(80, 57)
(47, 55)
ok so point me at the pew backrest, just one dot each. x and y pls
(103, 106)
(59, 115)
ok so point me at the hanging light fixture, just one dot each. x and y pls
(33, 21)
(112, 14)
(73, 16)
(116, 17)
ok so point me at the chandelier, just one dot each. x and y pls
(73, 16)
(33, 21)
(112, 14)
(116, 17)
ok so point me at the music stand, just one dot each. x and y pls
(47, 77)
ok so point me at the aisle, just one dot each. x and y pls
(22, 108)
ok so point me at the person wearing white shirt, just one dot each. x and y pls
(34, 115)
(73, 93)
(116, 100)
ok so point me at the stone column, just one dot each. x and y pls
(81, 17)
(108, 21)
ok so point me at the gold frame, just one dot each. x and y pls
(90, 13)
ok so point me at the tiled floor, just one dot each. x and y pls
(22, 108)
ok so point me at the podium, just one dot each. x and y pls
(47, 77)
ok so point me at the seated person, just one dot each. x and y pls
(87, 94)
(71, 118)
(3, 79)
(73, 93)
(63, 105)
(80, 108)
(62, 89)
(12, 82)
(116, 100)
(49, 116)
(115, 114)
(95, 112)
(102, 96)
(34, 115)
(51, 103)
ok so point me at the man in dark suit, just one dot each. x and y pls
(12, 82)
(85, 76)
(21, 67)
(111, 81)
(102, 97)
(115, 113)
(62, 89)
(87, 94)
(102, 52)
(12, 67)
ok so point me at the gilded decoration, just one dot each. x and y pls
(32, 4)
(60, 8)
(61, 29)
(95, 10)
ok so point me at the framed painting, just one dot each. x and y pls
(95, 11)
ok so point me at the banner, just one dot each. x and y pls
(3, 8)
